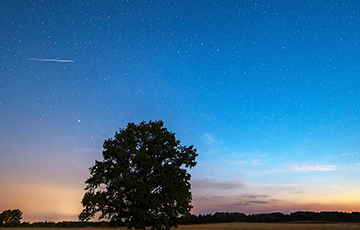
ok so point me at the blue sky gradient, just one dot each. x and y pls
(267, 91)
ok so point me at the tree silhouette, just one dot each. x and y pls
(142, 180)
(10, 218)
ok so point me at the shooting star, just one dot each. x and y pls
(51, 60)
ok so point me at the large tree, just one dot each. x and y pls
(142, 180)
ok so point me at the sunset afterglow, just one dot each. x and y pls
(268, 92)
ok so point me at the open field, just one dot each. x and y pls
(273, 226)
(242, 226)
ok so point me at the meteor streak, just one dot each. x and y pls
(51, 60)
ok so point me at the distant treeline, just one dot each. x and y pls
(218, 217)
(224, 217)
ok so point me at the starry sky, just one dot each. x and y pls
(267, 91)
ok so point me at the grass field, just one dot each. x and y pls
(242, 226)
(271, 226)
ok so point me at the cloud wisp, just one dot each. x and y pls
(315, 168)
(216, 185)
(246, 203)
(49, 60)
(246, 200)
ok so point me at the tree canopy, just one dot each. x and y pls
(142, 180)
(10, 217)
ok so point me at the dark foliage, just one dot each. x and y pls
(143, 179)
(224, 217)
(10, 218)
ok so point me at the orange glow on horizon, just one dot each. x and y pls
(43, 202)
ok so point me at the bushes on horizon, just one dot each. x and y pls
(225, 217)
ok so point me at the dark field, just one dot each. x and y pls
(241, 226)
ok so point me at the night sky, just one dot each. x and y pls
(267, 91)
